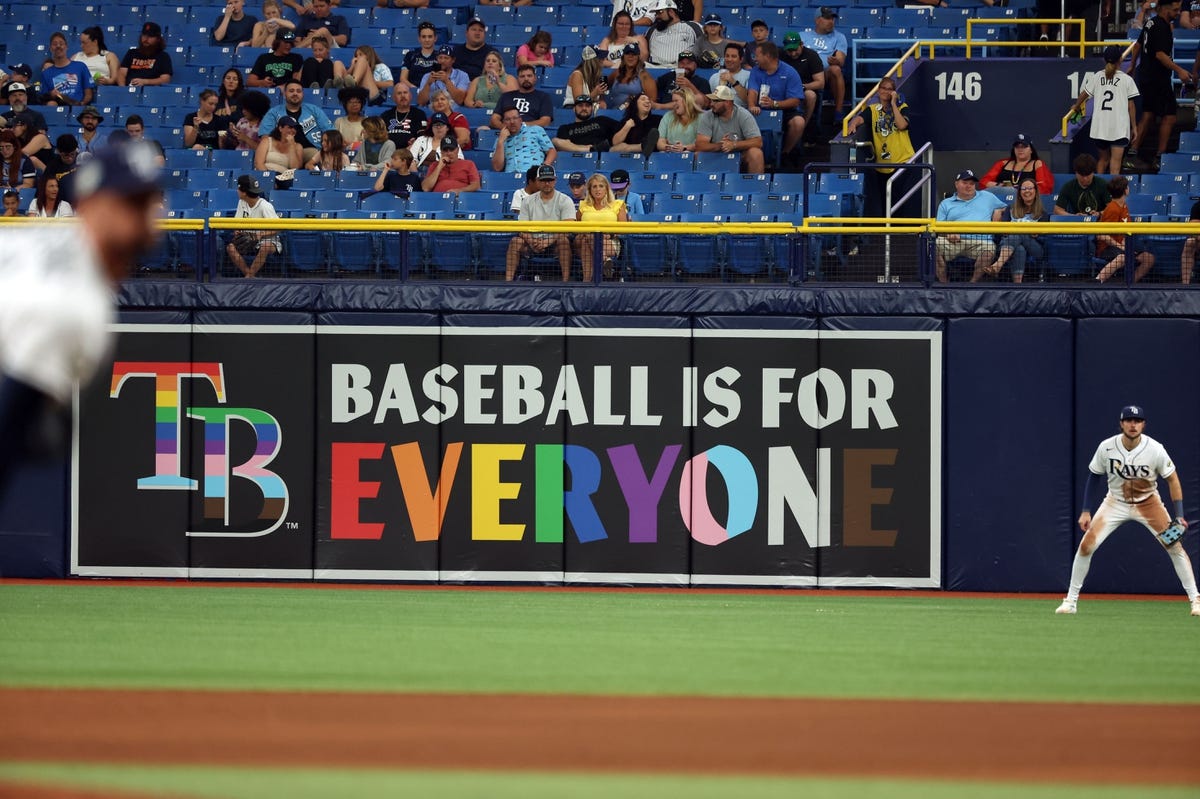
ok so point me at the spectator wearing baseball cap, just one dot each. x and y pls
(16, 94)
(61, 163)
(548, 205)
(831, 46)
(588, 133)
(427, 148)
(686, 80)
(421, 60)
(444, 77)
(619, 180)
(148, 64)
(469, 56)
(710, 48)
(577, 181)
(967, 204)
(808, 66)
(629, 80)
(451, 172)
(260, 244)
(279, 65)
(670, 35)
(725, 128)
(760, 32)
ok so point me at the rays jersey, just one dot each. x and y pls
(55, 308)
(1132, 475)
(1110, 104)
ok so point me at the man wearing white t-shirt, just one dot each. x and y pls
(259, 243)
(548, 205)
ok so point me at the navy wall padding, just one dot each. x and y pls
(34, 534)
(881, 323)
(380, 319)
(1008, 468)
(1139, 361)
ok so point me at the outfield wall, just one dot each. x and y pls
(692, 435)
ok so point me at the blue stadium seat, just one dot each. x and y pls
(725, 204)
(427, 202)
(314, 181)
(697, 182)
(484, 202)
(782, 206)
(307, 250)
(501, 181)
(747, 184)
(165, 95)
(630, 162)
(789, 183)
(355, 251)
(1161, 184)
(335, 200)
(1189, 141)
(210, 178)
(452, 252)
(184, 158)
(1179, 203)
(677, 203)
(222, 200)
(651, 182)
(384, 202)
(511, 33)
(649, 255)
(292, 200)
(185, 199)
(496, 15)
(1146, 204)
(721, 163)
(242, 160)
(1069, 255)
(670, 162)
(173, 179)
(1006, 193)
(538, 16)
(356, 181)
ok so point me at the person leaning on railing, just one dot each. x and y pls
(967, 204)
(888, 132)
(1111, 246)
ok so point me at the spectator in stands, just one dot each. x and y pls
(599, 205)
(16, 170)
(1019, 247)
(1110, 247)
(548, 205)
(710, 47)
(246, 132)
(370, 73)
(278, 66)
(332, 157)
(451, 173)
(272, 22)
(234, 26)
(279, 152)
(148, 64)
(94, 54)
(620, 36)
(678, 128)
(319, 71)
(460, 128)
(683, 77)
(1022, 162)
(629, 80)
(260, 244)
(1187, 262)
(16, 94)
(670, 35)
(887, 130)
(536, 51)
(831, 46)
(445, 77)
(405, 121)
(421, 60)
(12, 203)
(729, 129)
(1085, 194)
(47, 202)
(323, 24)
(65, 82)
(202, 128)
(229, 95)
(520, 145)
(577, 183)
(968, 204)
(350, 124)
(397, 176)
(135, 128)
(486, 90)
(34, 145)
(639, 128)
(470, 55)
(1154, 67)
(90, 138)
(1114, 117)
(531, 188)
(535, 106)
(588, 133)
(1189, 17)
(760, 33)
(619, 180)
(808, 66)
(735, 74)
(505, 2)
(376, 148)
(776, 86)
(587, 78)
(427, 149)
(402, 3)
(310, 117)
(21, 73)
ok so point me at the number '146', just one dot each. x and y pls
(959, 86)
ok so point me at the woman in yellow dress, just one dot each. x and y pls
(599, 205)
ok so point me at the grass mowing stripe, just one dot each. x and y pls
(247, 783)
(793, 644)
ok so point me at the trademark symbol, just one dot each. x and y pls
(293, 525)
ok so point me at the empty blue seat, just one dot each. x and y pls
(697, 182)
(780, 205)
(307, 250)
(427, 202)
(242, 160)
(223, 201)
(384, 202)
(210, 178)
(721, 163)
(314, 181)
(186, 199)
(1160, 184)
(357, 181)
(1146, 204)
(292, 200)
(335, 200)
(725, 204)
(486, 202)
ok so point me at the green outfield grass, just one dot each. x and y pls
(242, 783)
(785, 644)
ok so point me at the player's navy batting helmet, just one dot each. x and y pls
(127, 170)
(1133, 412)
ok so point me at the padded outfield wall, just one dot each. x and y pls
(683, 435)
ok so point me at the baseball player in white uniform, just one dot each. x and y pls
(56, 293)
(1132, 463)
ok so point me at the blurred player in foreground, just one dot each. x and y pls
(56, 294)
(1132, 464)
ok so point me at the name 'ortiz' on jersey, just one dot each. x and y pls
(1132, 474)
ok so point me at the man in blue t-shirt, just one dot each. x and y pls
(65, 82)
(775, 85)
(967, 205)
(234, 27)
(831, 46)
(322, 24)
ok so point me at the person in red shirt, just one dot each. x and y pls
(451, 173)
(1111, 246)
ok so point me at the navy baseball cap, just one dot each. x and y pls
(445, 49)
(287, 122)
(439, 119)
(966, 174)
(576, 179)
(1112, 54)
(476, 21)
(250, 185)
(713, 19)
(21, 69)
(1133, 412)
(128, 170)
(619, 179)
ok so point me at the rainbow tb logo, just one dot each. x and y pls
(219, 469)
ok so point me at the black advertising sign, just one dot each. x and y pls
(564, 450)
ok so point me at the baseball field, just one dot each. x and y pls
(112, 689)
